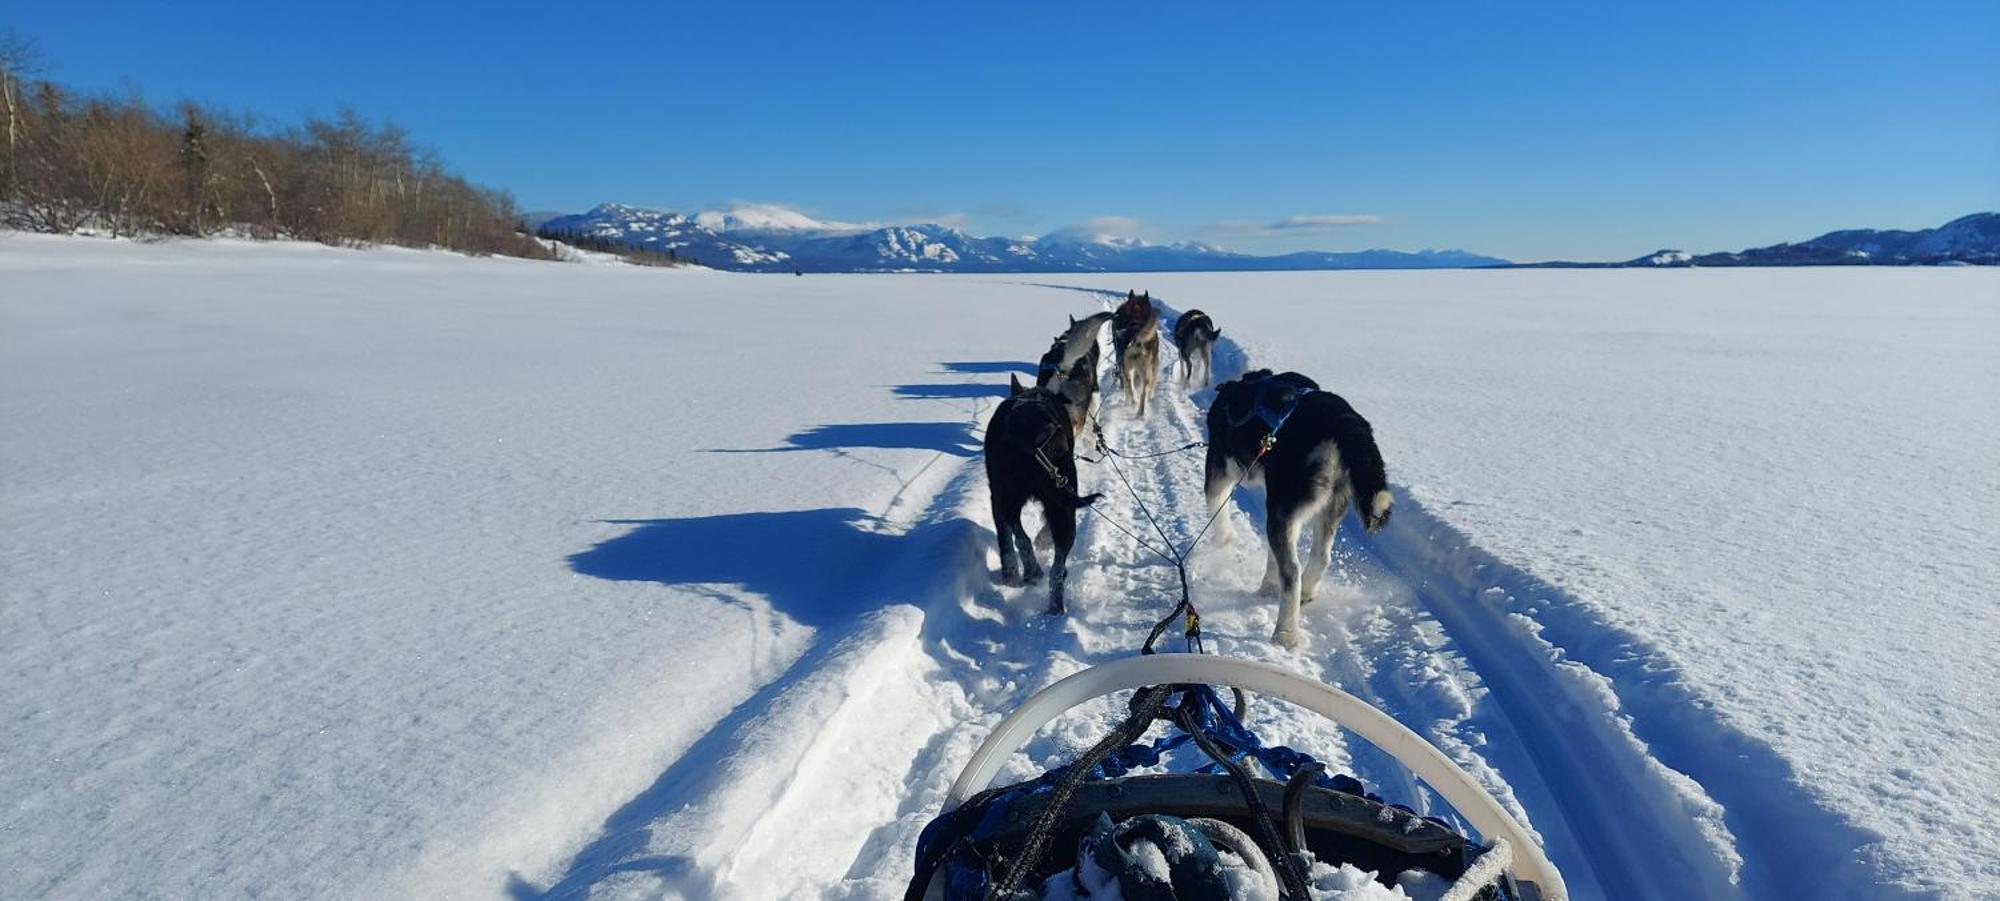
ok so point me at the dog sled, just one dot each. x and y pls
(1095, 828)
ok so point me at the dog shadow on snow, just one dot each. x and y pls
(797, 559)
(951, 437)
(988, 367)
(950, 391)
(954, 438)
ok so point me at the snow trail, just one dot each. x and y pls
(819, 788)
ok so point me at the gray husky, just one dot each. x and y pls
(1081, 338)
(1135, 335)
(1076, 381)
(1070, 366)
(1315, 456)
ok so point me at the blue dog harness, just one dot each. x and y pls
(1277, 398)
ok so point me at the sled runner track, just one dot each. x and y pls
(1553, 661)
(1626, 825)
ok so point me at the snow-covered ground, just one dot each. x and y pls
(333, 573)
(1764, 503)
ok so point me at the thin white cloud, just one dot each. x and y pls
(772, 217)
(1119, 226)
(1326, 220)
(1310, 223)
(1097, 228)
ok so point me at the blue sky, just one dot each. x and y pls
(1531, 131)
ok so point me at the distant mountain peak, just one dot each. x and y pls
(766, 238)
(1664, 258)
(1967, 239)
(1973, 239)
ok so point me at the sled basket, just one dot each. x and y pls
(1081, 818)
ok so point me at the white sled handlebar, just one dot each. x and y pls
(1410, 749)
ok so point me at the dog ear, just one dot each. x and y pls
(1072, 320)
(1147, 296)
(1131, 294)
(1014, 382)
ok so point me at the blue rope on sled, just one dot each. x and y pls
(1220, 725)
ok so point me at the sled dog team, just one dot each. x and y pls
(1314, 455)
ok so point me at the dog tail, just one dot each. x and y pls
(1363, 460)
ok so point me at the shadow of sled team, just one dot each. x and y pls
(1314, 455)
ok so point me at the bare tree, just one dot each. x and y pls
(118, 164)
(18, 60)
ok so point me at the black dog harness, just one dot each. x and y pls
(1041, 450)
(1045, 369)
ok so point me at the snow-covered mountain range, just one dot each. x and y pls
(1967, 239)
(777, 240)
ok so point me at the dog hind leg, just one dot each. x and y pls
(1031, 571)
(1282, 526)
(1268, 586)
(1219, 477)
(1005, 523)
(1063, 524)
(1324, 532)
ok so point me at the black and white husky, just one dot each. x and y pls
(1030, 456)
(1135, 337)
(1314, 456)
(1195, 334)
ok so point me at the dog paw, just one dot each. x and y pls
(1010, 580)
(1289, 639)
(1056, 608)
(1031, 577)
